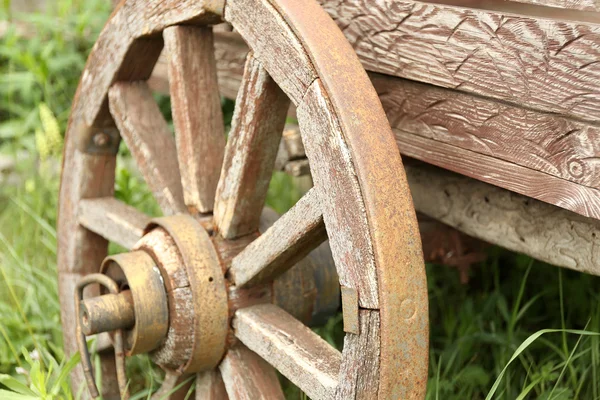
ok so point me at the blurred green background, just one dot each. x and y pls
(476, 328)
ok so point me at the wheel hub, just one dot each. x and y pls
(173, 297)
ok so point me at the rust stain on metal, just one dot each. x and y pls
(209, 291)
(107, 313)
(390, 211)
(138, 272)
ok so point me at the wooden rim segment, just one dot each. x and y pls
(361, 197)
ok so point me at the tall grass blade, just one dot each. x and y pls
(526, 344)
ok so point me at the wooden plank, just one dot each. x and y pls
(258, 121)
(588, 5)
(580, 199)
(297, 352)
(249, 377)
(557, 9)
(150, 142)
(327, 151)
(274, 43)
(546, 64)
(359, 373)
(210, 386)
(113, 220)
(558, 146)
(197, 116)
(518, 223)
(291, 238)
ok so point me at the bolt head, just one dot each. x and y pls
(101, 139)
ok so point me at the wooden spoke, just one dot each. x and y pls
(210, 386)
(249, 377)
(197, 116)
(256, 129)
(113, 220)
(148, 137)
(293, 236)
(297, 352)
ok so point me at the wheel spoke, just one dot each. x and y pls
(293, 349)
(210, 386)
(258, 122)
(292, 237)
(147, 135)
(197, 115)
(113, 220)
(249, 377)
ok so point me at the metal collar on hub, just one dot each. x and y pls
(172, 298)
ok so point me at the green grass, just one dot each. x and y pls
(519, 330)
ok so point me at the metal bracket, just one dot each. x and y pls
(112, 287)
(350, 310)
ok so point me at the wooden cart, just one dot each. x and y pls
(502, 95)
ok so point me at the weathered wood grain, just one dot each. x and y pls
(308, 290)
(113, 220)
(359, 373)
(518, 223)
(210, 386)
(230, 54)
(580, 199)
(81, 251)
(197, 116)
(327, 151)
(292, 237)
(274, 43)
(545, 64)
(589, 5)
(249, 377)
(556, 9)
(133, 22)
(297, 352)
(558, 146)
(150, 142)
(258, 121)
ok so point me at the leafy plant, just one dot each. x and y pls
(38, 381)
(41, 58)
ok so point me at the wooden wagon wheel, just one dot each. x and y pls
(200, 253)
